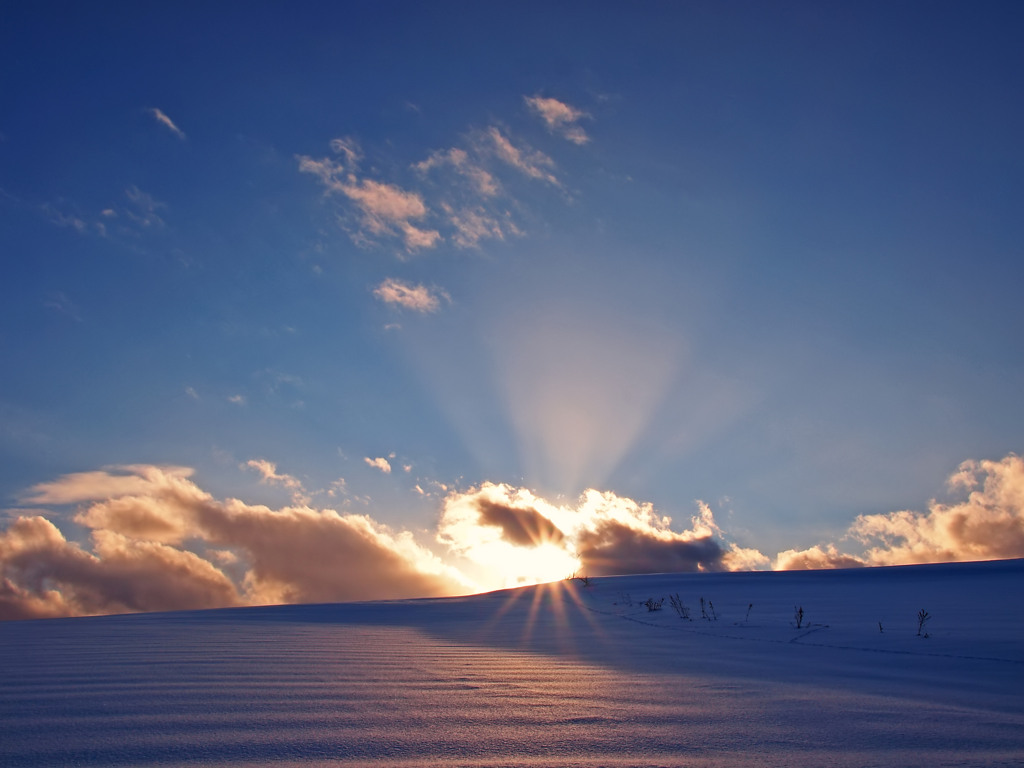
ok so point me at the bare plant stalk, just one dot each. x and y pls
(679, 606)
(922, 618)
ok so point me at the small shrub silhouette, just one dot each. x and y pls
(582, 578)
(654, 605)
(798, 616)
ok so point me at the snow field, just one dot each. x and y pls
(561, 674)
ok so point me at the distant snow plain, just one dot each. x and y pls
(566, 674)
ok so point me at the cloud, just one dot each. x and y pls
(60, 303)
(472, 225)
(481, 180)
(379, 463)
(144, 208)
(44, 575)
(102, 484)
(164, 120)
(62, 219)
(559, 117)
(523, 527)
(815, 558)
(525, 537)
(533, 163)
(148, 526)
(385, 210)
(268, 472)
(418, 298)
(986, 525)
(386, 207)
(139, 215)
(458, 194)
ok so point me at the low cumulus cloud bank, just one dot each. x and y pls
(986, 525)
(157, 541)
(601, 534)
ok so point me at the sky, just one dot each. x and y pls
(346, 301)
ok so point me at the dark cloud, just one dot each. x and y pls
(524, 527)
(617, 549)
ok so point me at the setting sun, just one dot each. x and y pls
(519, 566)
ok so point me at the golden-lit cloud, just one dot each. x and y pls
(461, 188)
(520, 537)
(379, 463)
(559, 117)
(474, 225)
(815, 558)
(417, 298)
(387, 209)
(159, 542)
(533, 163)
(103, 484)
(481, 180)
(270, 475)
(44, 575)
(165, 121)
(384, 209)
(986, 525)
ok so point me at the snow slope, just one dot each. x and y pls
(556, 675)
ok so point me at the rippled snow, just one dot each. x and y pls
(555, 676)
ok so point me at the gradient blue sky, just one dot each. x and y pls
(763, 255)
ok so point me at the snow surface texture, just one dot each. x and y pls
(557, 675)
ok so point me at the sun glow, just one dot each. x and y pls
(514, 566)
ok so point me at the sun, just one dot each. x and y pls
(516, 566)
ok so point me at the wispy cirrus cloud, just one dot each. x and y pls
(559, 117)
(417, 298)
(463, 192)
(385, 210)
(269, 474)
(481, 180)
(164, 120)
(531, 162)
(60, 303)
(128, 219)
(143, 208)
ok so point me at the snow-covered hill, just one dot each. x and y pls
(554, 675)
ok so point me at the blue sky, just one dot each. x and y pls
(766, 257)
